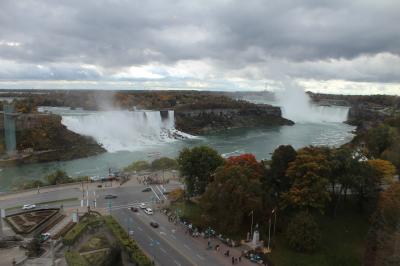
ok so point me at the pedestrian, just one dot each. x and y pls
(233, 260)
(227, 253)
(236, 260)
(240, 258)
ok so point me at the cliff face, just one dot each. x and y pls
(364, 116)
(201, 121)
(42, 137)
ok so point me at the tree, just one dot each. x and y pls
(235, 192)
(137, 166)
(379, 139)
(58, 177)
(164, 163)
(198, 165)
(366, 185)
(309, 173)
(34, 248)
(384, 168)
(303, 233)
(383, 235)
(276, 177)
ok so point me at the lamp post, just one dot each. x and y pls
(251, 227)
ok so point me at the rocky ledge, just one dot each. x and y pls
(198, 121)
(42, 138)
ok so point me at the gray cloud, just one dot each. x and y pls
(300, 39)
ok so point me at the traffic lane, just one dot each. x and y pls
(125, 195)
(46, 206)
(147, 239)
(41, 197)
(184, 242)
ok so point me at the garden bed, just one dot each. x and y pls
(27, 222)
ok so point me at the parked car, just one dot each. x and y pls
(143, 205)
(146, 189)
(148, 211)
(110, 196)
(134, 209)
(28, 206)
(43, 237)
(154, 224)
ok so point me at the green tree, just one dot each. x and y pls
(303, 233)
(309, 173)
(276, 177)
(164, 163)
(383, 235)
(366, 185)
(58, 177)
(234, 193)
(379, 139)
(137, 166)
(198, 165)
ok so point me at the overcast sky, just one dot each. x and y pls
(327, 46)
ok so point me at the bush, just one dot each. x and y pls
(137, 166)
(80, 228)
(303, 233)
(135, 253)
(73, 258)
(164, 163)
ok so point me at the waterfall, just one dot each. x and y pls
(297, 106)
(123, 130)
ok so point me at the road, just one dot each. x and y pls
(166, 245)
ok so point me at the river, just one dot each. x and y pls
(124, 144)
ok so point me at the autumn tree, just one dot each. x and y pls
(198, 165)
(309, 173)
(384, 168)
(234, 193)
(379, 139)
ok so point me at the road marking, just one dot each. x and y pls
(174, 237)
(163, 250)
(186, 246)
(161, 192)
(162, 233)
(200, 257)
(140, 228)
(155, 193)
(177, 263)
(173, 230)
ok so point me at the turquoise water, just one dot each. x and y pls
(259, 141)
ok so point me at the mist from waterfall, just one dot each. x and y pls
(296, 105)
(121, 130)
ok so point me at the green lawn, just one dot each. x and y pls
(342, 240)
(96, 258)
(94, 243)
(342, 243)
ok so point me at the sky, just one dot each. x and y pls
(341, 46)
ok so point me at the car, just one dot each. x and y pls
(143, 205)
(134, 209)
(43, 237)
(148, 211)
(154, 224)
(146, 189)
(110, 196)
(28, 206)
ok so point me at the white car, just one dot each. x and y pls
(142, 206)
(148, 211)
(28, 206)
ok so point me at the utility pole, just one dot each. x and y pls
(251, 227)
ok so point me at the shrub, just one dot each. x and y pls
(73, 258)
(164, 163)
(303, 233)
(80, 228)
(130, 246)
(137, 166)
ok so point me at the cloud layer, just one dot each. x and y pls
(209, 44)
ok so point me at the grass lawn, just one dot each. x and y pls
(189, 210)
(94, 243)
(96, 258)
(342, 243)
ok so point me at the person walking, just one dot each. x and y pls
(233, 260)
